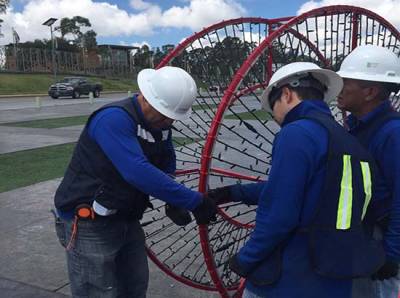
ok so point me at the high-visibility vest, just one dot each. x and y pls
(339, 245)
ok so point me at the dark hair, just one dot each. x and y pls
(307, 88)
(385, 89)
(308, 93)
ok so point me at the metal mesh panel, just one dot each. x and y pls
(228, 139)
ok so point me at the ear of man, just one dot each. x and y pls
(372, 92)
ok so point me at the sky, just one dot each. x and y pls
(155, 23)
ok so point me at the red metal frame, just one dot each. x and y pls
(233, 86)
(180, 47)
(205, 162)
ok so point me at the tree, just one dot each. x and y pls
(3, 5)
(143, 58)
(73, 26)
(89, 39)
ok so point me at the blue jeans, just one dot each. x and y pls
(107, 259)
(248, 294)
(367, 288)
(388, 288)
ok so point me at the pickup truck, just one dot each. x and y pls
(74, 86)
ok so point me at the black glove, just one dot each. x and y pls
(235, 267)
(220, 195)
(388, 270)
(205, 211)
(178, 215)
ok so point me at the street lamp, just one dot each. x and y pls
(50, 23)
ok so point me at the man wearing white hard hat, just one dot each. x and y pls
(308, 240)
(370, 74)
(124, 155)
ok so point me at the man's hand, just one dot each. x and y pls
(388, 270)
(220, 195)
(205, 211)
(234, 265)
(178, 215)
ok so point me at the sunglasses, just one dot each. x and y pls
(274, 96)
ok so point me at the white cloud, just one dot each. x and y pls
(201, 13)
(140, 4)
(140, 44)
(109, 20)
(388, 9)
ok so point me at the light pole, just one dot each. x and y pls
(50, 23)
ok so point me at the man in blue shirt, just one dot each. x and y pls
(123, 155)
(308, 231)
(370, 74)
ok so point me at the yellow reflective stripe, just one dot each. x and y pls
(366, 172)
(343, 220)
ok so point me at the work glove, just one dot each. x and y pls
(234, 265)
(220, 195)
(178, 215)
(388, 270)
(205, 212)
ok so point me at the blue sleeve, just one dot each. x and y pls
(390, 164)
(279, 209)
(115, 132)
(247, 193)
(169, 165)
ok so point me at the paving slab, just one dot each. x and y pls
(13, 289)
(22, 138)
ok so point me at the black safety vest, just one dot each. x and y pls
(339, 245)
(92, 176)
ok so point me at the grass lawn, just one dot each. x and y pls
(262, 115)
(39, 83)
(51, 123)
(204, 107)
(28, 167)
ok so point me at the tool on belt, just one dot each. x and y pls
(84, 212)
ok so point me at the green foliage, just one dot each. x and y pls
(143, 57)
(73, 26)
(3, 5)
(89, 39)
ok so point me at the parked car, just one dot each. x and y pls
(74, 86)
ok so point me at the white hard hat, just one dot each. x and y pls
(296, 70)
(170, 90)
(371, 63)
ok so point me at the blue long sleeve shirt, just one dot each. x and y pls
(116, 133)
(385, 148)
(287, 201)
